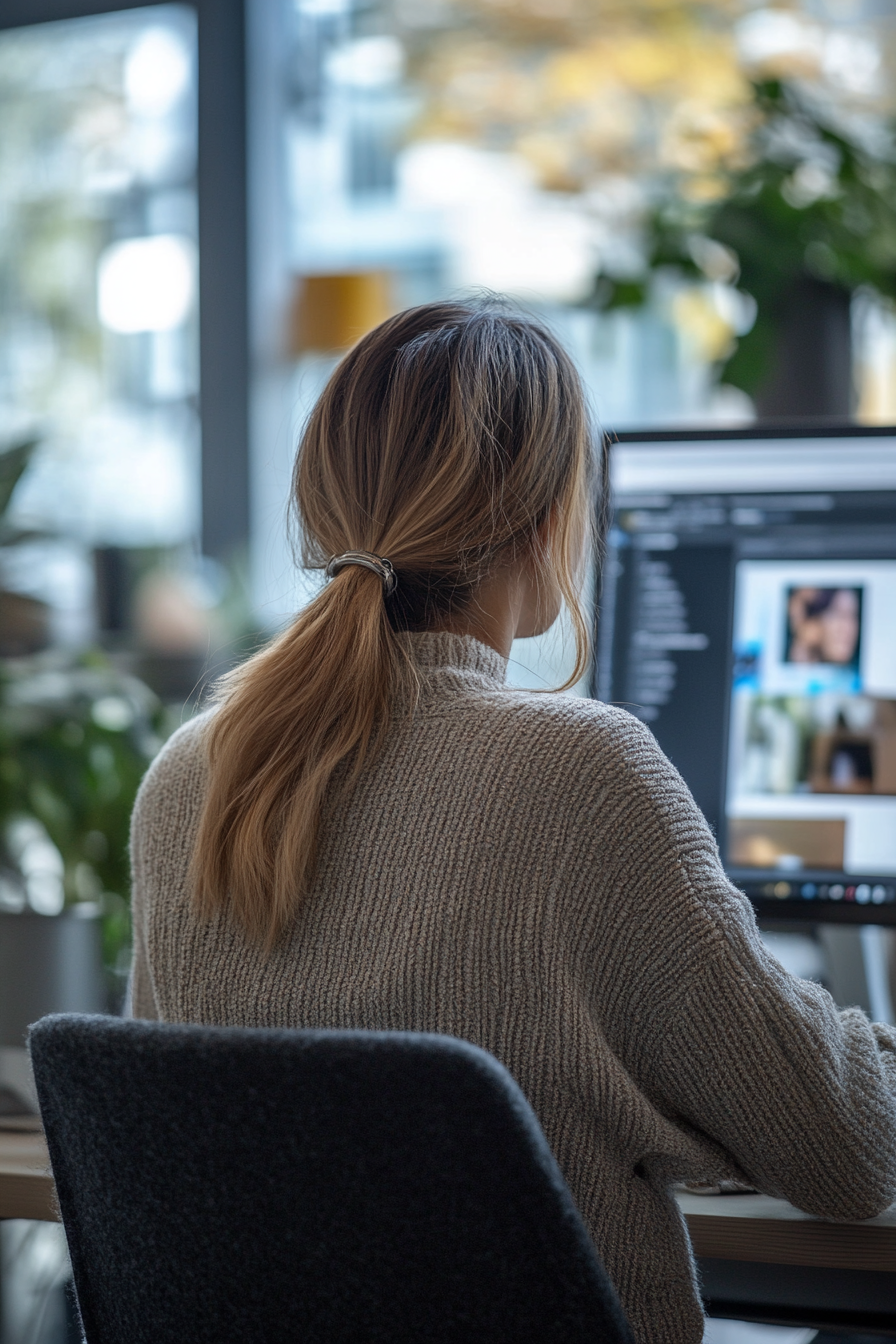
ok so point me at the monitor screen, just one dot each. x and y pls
(748, 616)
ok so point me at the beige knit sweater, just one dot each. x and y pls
(530, 873)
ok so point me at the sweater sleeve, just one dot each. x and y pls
(719, 1036)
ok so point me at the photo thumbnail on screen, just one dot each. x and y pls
(812, 737)
(824, 625)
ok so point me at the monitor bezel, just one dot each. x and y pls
(790, 908)
(767, 429)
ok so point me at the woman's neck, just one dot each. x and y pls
(504, 607)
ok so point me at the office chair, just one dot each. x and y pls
(255, 1186)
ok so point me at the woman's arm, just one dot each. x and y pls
(718, 1035)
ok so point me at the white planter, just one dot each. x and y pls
(48, 964)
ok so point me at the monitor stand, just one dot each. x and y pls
(860, 967)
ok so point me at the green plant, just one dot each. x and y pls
(75, 741)
(813, 201)
(76, 736)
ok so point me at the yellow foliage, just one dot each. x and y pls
(701, 324)
(551, 156)
(674, 65)
(704, 189)
(586, 88)
(632, 99)
(699, 137)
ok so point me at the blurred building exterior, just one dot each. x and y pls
(98, 324)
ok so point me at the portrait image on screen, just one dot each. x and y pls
(824, 625)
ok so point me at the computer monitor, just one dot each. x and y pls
(748, 616)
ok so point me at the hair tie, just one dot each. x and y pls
(377, 563)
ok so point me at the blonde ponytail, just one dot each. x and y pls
(445, 439)
(318, 696)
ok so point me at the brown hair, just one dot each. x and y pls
(444, 440)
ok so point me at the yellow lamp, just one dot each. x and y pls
(331, 312)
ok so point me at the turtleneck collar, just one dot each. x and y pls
(440, 651)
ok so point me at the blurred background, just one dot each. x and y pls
(203, 205)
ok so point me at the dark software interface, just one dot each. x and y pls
(748, 616)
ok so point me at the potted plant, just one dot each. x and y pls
(76, 735)
(803, 222)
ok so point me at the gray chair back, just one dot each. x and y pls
(254, 1186)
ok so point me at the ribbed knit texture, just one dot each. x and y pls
(530, 873)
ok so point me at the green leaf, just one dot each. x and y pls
(13, 463)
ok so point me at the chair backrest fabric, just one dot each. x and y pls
(258, 1186)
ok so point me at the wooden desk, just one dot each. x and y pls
(772, 1232)
(26, 1186)
(760, 1258)
(763, 1260)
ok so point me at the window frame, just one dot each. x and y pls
(223, 251)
